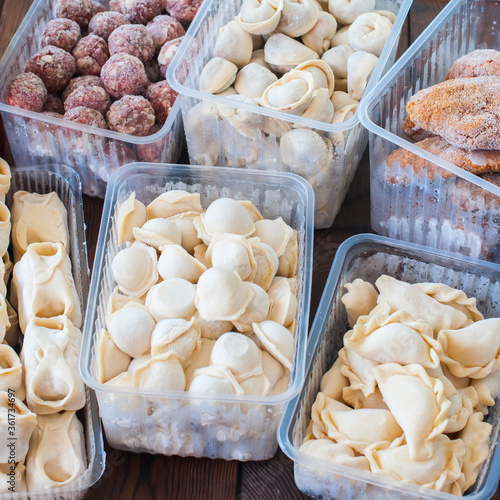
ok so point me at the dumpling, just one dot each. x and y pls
(131, 213)
(5, 177)
(11, 372)
(321, 403)
(50, 354)
(57, 452)
(359, 300)
(111, 361)
(462, 406)
(409, 298)
(333, 382)
(369, 32)
(172, 203)
(284, 303)
(45, 286)
(215, 380)
(5, 227)
(440, 471)
(334, 452)
(267, 263)
(158, 232)
(256, 311)
(417, 402)
(358, 370)
(357, 399)
(172, 298)
(162, 372)
(473, 351)
(487, 389)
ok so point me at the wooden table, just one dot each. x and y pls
(139, 476)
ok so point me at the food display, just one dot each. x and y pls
(400, 401)
(273, 68)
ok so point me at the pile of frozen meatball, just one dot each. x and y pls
(106, 68)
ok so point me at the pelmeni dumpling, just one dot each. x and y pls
(472, 351)
(319, 36)
(213, 329)
(275, 233)
(359, 300)
(260, 17)
(135, 269)
(189, 235)
(337, 453)
(238, 353)
(272, 368)
(341, 37)
(475, 436)
(215, 380)
(321, 108)
(175, 262)
(487, 389)
(44, 284)
(283, 53)
(256, 311)
(37, 218)
(277, 340)
(111, 361)
(417, 402)
(289, 260)
(177, 335)
(257, 385)
(199, 359)
(130, 328)
(172, 203)
(233, 252)
(341, 99)
(253, 79)
(11, 372)
(16, 443)
(5, 177)
(158, 232)
(396, 337)
(57, 452)
(131, 213)
(12, 478)
(341, 116)
(369, 32)
(297, 18)
(258, 57)
(409, 298)
(346, 11)
(224, 215)
(321, 72)
(283, 303)
(172, 298)
(267, 263)
(50, 355)
(234, 44)
(337, 58)
(440, 471)
(217, 75)
(359, 68)
(161, 372)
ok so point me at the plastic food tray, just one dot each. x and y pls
(212, 140)
(67, 185)
(436, 204)
(175, 422)
(367, 257)
(38, 139)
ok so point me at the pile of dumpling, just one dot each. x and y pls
(205, 301)
(40, 389)
(408, 392)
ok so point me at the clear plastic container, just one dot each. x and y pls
(66, 183)
(253, 138)
(176, 422)
(431, 201)
(368, 256)
(38, 139)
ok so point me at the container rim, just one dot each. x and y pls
(301, 186)
(27, 23)
(374, 96)
(174, 69)
(287, 423)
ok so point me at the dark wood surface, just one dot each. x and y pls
(138, 476)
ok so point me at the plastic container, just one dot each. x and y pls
(368, 256)
(67, 185)
(176, 422)
(435, 204)
(213, 139)
(38, 139)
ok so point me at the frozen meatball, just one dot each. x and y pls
(27, 91)
(62, 33)
(162, 98)
(131, 115)
(163, 29)
(79, 11)
(54, 114)
(183, 10)
(133, 39)
(124, 74)
(97, 8)
(152, 70)
(90, 54)
(53, 65)
(151, 152)
(53, 104)
(141, 11)
(86, 116)
(74, 83)
(104, 23)
(167, 53)
(115, 5)
(88, 96)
